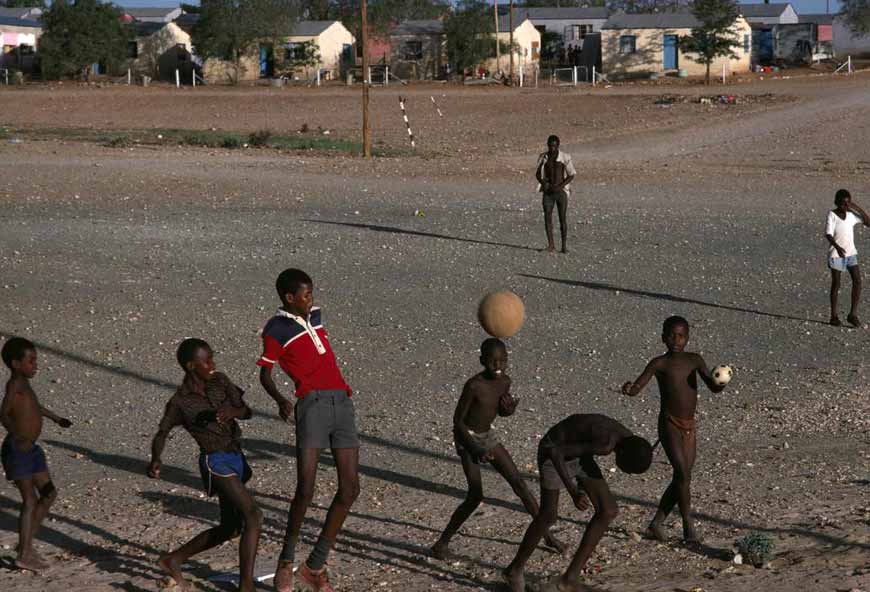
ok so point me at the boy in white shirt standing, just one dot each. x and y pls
(842, 255)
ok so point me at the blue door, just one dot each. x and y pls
(765, 45)
(267, 64)
(670, 57)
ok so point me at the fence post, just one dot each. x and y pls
(6, 73)
(177, 79)
(521, 76)
(593, 75)
(574, 74)
(723, 72)
(850, 64)
(369, 76)
(318, 76)
(193, 77)
(129, 77)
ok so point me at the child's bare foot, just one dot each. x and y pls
(551, 249)
(439, 551)
(555, 544)
(854, 320)
(284, 577)
(564, 250)
(690, 535)
(515, 580)
(31, 561)
(171, 567)
(655, 532)
(835, 321)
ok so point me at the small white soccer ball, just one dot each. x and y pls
(722, 375)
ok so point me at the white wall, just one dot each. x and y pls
(845, 44)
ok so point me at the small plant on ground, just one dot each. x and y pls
(231, 142)
(260, 138)
(116, 141)
(756, 548)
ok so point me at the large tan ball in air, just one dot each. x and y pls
(501, 314)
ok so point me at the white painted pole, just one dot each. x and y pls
(574, 75)
(6, 73)
(193, 77)
(850, 64)
(369, 75)
(723, 72)
(521, 76)
(177, 79)
(129, 77)
(593, 75)
(318, 76)
(386, 75)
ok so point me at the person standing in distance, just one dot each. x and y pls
(555, 172)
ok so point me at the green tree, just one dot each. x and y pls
(470, 30)
(75, 36)
(856, 14)
(715, 37)
(228, 29)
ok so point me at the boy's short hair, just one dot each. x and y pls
(290, 280)
(553, 138)
(187, 348)
(15, 348)
(674, 321)
(841, 196)
(635, 455)
(490, 346)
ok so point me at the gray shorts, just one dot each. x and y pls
(579, 468)
(556, 197)
(325, 419)
(483, 443)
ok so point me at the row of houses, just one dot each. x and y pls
(617, 44)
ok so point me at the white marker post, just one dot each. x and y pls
(193, 77)
(574, 75)
(723, 72)
(177, 79)
(129, 77)
(593, 75)
(318, 76)
(386, 75)
(407, 124)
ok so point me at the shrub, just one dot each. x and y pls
(260, 138)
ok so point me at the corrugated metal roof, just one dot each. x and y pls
(311, 28)
(18, 12)
(146, 29)
(504, 25)
(763, 10)
(423, 27)
(149, 11)
(819, 19)
(16, 22)
(566, 14)
(658, 20)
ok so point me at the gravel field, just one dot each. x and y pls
(111, 256)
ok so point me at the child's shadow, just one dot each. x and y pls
(707, 551)
(8, 564)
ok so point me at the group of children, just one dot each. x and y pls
(208, 406)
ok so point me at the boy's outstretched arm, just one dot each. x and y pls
(171, 418)
(285, 407)
(61, 421)
(865, 218)
(633, 388)
(705, 375)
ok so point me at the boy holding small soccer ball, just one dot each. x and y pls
(677, 374)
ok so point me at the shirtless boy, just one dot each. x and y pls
(207, 405)
(484, 396)
(555, 172)
(566, 457)
(677, 374)
(23, 459)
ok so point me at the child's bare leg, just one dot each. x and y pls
(605, 512)
(27, 557)
(835, 290)
(546, 517)
(306, 473)
(548, 226)
(855, 274)
(237, 513)
(466, 508)
(504, 464)
(680, 449)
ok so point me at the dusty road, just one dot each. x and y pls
(110, 257)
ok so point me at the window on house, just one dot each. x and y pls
(747, 44)
(412, 50)
(132, 50)
(627, 44)
(295, 52)
(579, 32)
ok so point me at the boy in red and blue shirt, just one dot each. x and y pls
(324, 417)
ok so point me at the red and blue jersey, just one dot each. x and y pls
(301, 348)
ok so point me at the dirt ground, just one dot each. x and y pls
(111, 256)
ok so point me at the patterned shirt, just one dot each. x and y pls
(301, 347)
(195, 412)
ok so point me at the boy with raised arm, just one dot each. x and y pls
(484, 396)
(566, 457)
(324, 416)
(207, 405)
(23, 459)
(842, 254)
(676, 372)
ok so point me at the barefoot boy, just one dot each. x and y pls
(566, 457)
(484, 396)
(324, 418)
(207, 405)
(677, 374)
(554, 173)
(23, 459)
(842, 255)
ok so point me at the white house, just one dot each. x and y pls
(769, 14)
(331, 38)
(527, 44)
(846, 43)
(571, 23)
(18, 41)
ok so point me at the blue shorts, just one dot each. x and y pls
(842, 263)
(222, 464)
(22, 464)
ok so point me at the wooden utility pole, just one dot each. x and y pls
(497, 50)
(366, 131)
(511, 43)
